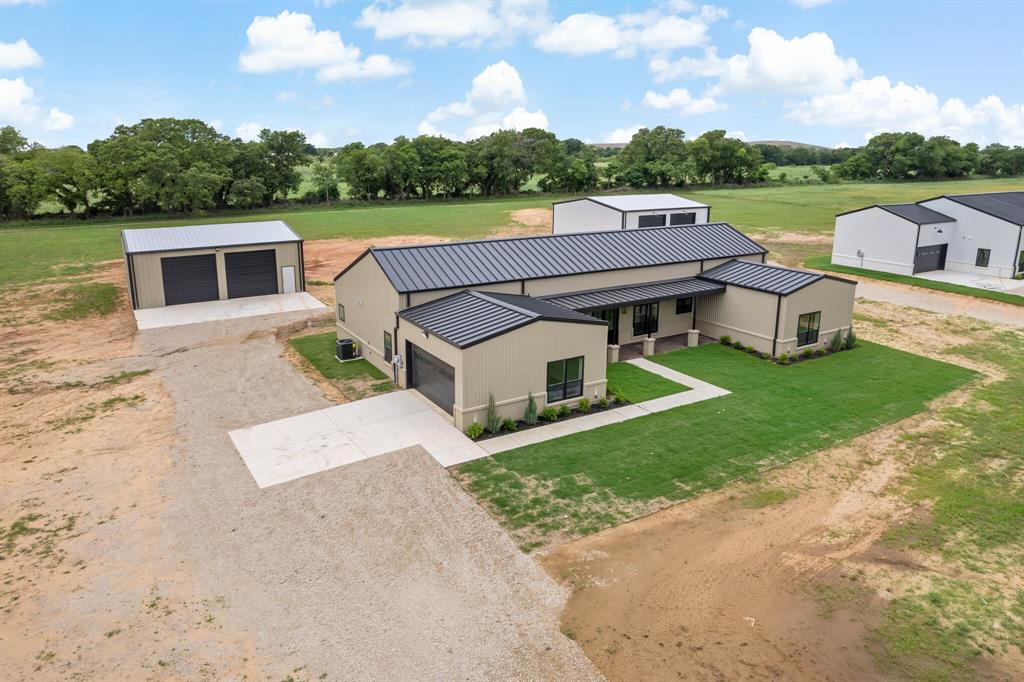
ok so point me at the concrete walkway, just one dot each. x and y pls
(212, 311)
(699, 391)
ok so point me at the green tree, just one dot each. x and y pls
(654, 157)
(284, 151)
(247, 193)
(324, 178)
(69, 175)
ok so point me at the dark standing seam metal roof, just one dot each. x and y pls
(920, 215)
(613, 297)
(467, 264)
(760, 276)
(1008, 206)
(469, 317)
(186, 237)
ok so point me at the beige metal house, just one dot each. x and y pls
(462, 321)
(189, 264)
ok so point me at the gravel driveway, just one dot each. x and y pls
(941, 302)
(384, 569)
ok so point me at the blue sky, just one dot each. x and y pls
(828, 73)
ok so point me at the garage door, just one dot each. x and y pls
(432, 378)
(189, 279)
(251, 273)
(930, 258)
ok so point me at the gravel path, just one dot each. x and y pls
(384, 569)
(942, 302)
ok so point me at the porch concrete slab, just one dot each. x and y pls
(968, 279)
(212, 311)
(291, 448)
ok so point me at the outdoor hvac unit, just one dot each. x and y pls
(346, 349)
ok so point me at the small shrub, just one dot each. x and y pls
(851, 339)
(818, 352)
(530, 415)
(737, 345)
(619, 397)
(564, 411)
(474, 430)
(750, 349)
(784, 359)
(836, 344)
(807, 353)
(550, 414)
(725, 340)
(509, 424)
(493, 418)
(584, 405)
(603, 403)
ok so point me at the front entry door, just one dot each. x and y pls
(611, 316)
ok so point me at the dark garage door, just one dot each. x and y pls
(251, 273)
(189, 279)
(930, 258)
(432, 378)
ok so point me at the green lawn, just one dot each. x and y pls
(636, 385)
(581, 483)
(319, 350)
(31, 251)
(793, 172)
(825, 263)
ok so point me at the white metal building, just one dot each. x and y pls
(627, 211)
(973, 233)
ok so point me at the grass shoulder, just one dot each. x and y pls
(825, 263)
(354, 378)
(635, 385)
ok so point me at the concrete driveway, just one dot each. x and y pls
(290, 448)
(1005, 284)
(213, 311)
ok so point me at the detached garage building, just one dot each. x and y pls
(626, 212)
(175, 265)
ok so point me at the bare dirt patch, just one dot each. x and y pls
(788, 588)
(539, 220)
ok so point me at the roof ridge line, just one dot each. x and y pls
(485, 295)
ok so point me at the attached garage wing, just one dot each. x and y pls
(432, 377)
(251, 273)
(930, 258)
(189, 279)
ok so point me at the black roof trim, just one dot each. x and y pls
(634, 294)
(772, 279)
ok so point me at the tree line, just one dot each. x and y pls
(170, 165)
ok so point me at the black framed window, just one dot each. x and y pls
(387, 347)
(682, 219)
(684, 305)
(341, 312)
(807, 328)
(981, 260)
(1020, 262)
(651, 221)
(645, 319)
(565, 379)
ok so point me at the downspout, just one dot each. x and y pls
(701, 266)
(302, 267)
(131, 281)
(394, 351)
(522, 287)
(917, 245)
(778, 309)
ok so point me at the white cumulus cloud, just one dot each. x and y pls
(18, 55)
(19, 106)
(810, 4)
(285, 96)
(680, 100)
(495, 100)
(465, 22)
(621, 134)
(581, 34)
(291, 41)
(249, 132)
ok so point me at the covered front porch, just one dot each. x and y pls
(663, 344)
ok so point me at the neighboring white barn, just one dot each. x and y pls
(628, 211)
(973, 233)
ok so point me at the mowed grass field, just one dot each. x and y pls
(31, 251)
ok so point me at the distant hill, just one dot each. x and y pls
(787, 143)
(609, 145)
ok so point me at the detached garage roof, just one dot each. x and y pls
(190, 237)
(611, 297)
(466, 264)
(642, 202)
(469, 317)
(772, 279)
(1008, 206)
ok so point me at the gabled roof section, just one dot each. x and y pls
(470, 317)
(454, 265)
(649, 292)
(1008, 206)
(187, 237)
(919, 215)
(772, 279)
(627, 203)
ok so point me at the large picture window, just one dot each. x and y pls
(651, 221)
(807, 328)
(981, 260)
(565, 379)
(645, 319)
(684, 305)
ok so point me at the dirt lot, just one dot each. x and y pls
(136, 545)
(781, 579)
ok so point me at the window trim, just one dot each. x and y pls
(389, 347)
(977, 258)
(807, 340)
(341, 312)
(663, 217)
(565, 380)
(689, 307)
